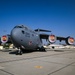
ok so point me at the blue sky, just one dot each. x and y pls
(55, 15)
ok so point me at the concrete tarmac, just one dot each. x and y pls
(52, 62)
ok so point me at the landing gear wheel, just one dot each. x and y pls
(42, 49)
(18, 52)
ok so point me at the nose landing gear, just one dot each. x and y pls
(19, 52)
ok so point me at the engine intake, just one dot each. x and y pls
(52, 38)
(4, 39)
(70, 40)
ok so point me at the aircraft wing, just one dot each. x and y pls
(52, 38)
(69, 40)
(60, 38)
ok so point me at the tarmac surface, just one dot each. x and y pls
(52, 62)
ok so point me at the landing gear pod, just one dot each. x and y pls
(70, 40)
(52, 38)
(4, 38)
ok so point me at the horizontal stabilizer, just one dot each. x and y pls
(42, 30)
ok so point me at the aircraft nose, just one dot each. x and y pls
(14, 35)
(13, 32)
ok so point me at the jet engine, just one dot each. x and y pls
(69, 40)
(52, 39)
(5, 39)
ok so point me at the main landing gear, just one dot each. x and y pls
(42, 49)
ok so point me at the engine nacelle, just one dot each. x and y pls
(70, 40)
(52, 38)
(5, 39)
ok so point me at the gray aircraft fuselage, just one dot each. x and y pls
(25, 38)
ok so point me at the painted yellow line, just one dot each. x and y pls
(39, 67)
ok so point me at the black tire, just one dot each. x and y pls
(42, 49)
(20, 53)
(17, 52)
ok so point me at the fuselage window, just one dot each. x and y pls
(23, 32)
(18, 27)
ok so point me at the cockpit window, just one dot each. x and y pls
(21, 26)
(17, 27)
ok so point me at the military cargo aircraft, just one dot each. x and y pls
(25, 38)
